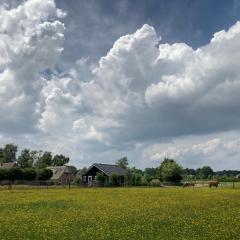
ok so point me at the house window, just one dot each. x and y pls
(84, 178)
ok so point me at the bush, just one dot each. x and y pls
(3, 174)
(44, 174)
(113, 180)
(14, 174)
(101, 178)
(29, 174)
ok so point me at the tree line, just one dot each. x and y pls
(171, 171)
(31, 158)
(31, 164)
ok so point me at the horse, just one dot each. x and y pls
(188, 184)
(213, 183)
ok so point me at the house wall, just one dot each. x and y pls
(92, 172)
(66, 177)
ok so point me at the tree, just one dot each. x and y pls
(204, 172)
(136, 179)
(9, 152)
(3, 174)
(170, 171)
(29, 174)
(59, 160)
(150, 173)
(123, 162)
(1, 156)
(25, 159)
(44, 160)
(44, 174)
(101, 178)
(14, 174)
(82, 171)
(113, 180)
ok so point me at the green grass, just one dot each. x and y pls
(120, 213)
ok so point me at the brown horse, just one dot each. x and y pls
(213, 183)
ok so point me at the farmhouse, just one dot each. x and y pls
(107, 170)
(62, 174)
(8, 165)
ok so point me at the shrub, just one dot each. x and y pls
(44, 174)
(101, 178)
(29, 174)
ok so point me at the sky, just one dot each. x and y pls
(97, 80)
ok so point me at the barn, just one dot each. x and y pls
(108, 170)
(62, 174)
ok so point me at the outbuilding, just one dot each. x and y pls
(62, 174)
(107, 170)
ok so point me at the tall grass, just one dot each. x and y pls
(120, 213)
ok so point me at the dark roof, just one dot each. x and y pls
(109, 169)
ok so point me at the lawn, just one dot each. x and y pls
(120, 213)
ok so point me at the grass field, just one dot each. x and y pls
(120, 213)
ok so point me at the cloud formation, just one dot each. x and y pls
(30, 42)
(141, 93)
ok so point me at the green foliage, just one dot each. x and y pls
(113, 180)
(205, 172)
(3, 174)
(77, 180)
(29, 174)
(170, 171)
(123, 162)
(14, 174)
(59, 160)
(82, 171)
(101, 178)
(1, 156)
(136, 179)
(8, 153)
(44, 160)
(44, 174)
(150, 174)
(25, 160)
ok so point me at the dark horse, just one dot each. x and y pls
(213, 183)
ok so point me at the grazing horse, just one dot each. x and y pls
(213, 183)
(188, 184)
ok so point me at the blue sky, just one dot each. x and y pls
(99, 80)
(92, 26)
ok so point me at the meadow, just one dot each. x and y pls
(120, 213)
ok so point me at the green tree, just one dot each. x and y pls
(29, 174)
(59, 160)
(101, 178)
(9, 153)
(25, 159)
(113, 180)
(44, 160)
(123, 162)
(150, 173)
(1, 156)
(170, 171)
(14, 174)
(205, 172)
(44, 174)
(3, 174)
(82, 171)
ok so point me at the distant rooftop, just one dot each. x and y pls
(110, 169)
(8, 165)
